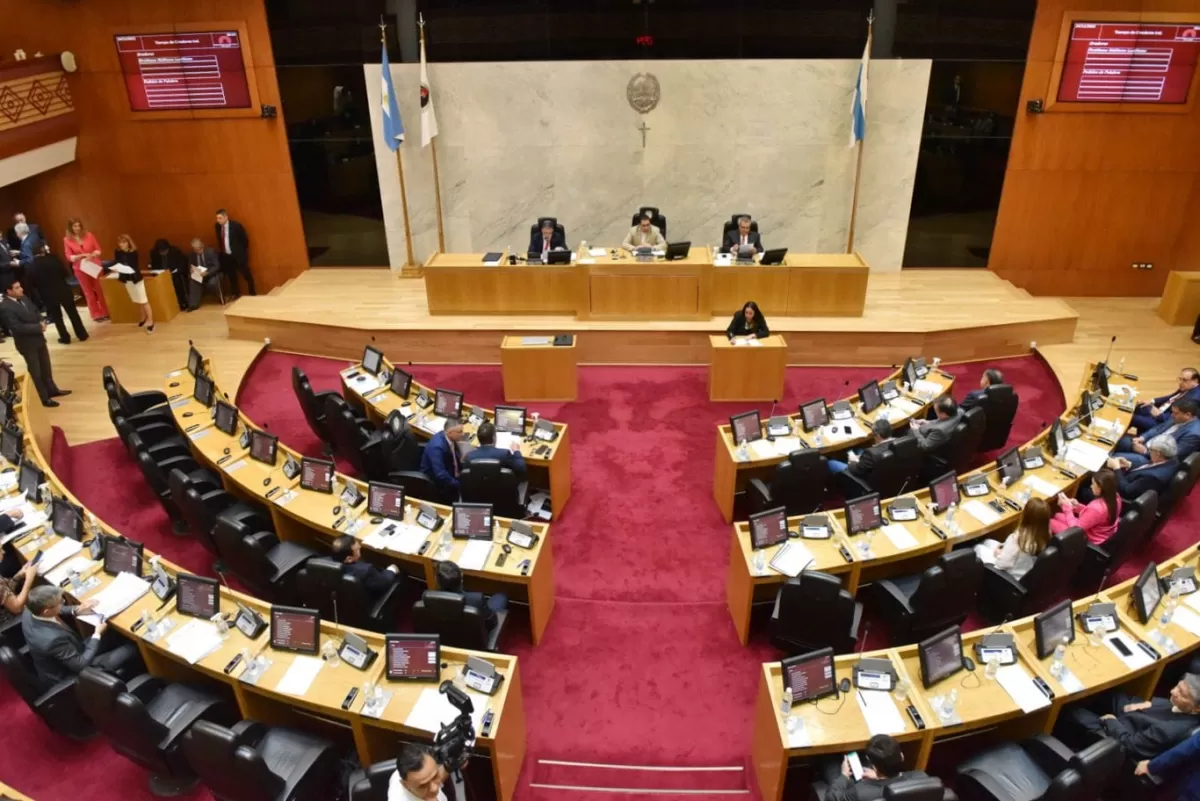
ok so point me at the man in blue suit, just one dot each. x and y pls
(975, 397)
(439, 461)
(1185, 756)
(1183, 427)
(346, 549)
(487, 449)
(30, 244)
(1148, 415)
(1153, 475)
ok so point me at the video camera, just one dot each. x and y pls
(450, 747)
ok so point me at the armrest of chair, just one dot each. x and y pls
(759, 486)
(263, 539)
(1049, 753)
(56, 692)
(852, 486)
(249, 732)
(891, 596)
(143, 401)
(388, 598)
(145, 687)
(998, 583)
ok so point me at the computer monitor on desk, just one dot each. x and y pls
(122, 556)
(413, 657)
(773, 257)
(940, 656)
(401, 382)
(472, 521)
(810, 676)
(1056, 440)
(870, 397)
(1147, 592)
(195, 360)
(677, 250)
(745, 427)
(372, 360)
(814, 414)
(1052, 626)
(944, 492)
(768, 528)
(203, 389)
(316, 475)
(295, 628)
(12, 444)
(29, 478)
(1011, 465)
(863, 514)
(448, 403)
(263, 447)
(385, 500)
(197, 596)
(66, 519)
(8, 381)
(510, 420)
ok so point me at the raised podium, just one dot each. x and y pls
(746, 369)
(535, 369)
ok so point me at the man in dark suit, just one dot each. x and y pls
(510, 458)
(449, 579)
(1144, 729)
(975, 397)
(861, 463)
(882, 763)
(932, 435)
(742, 237)
(1133, 481)
(166, 256)
(29, 331)
(47, 276)
(347, 550)
(234, 246)
(58, 651)
(439, 460)
(14, 241)
(547, 238)
(1183, 427)
(1148, 415)
(203, 265)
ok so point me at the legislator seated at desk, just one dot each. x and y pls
(439, 460)
(644, 235)
(1144, 729)
(1157, 411)
(861, 463)
(348, 551)
(1154, 475)
(976, 397)
(1019, 550)
(932, 435)
(1183, 427)
(742, 238)
(510, 458)
(1182, 762)
(450, 579)
(882, 765)
(548, 235)
(1098, 517)
(749, 322)
(57, 650)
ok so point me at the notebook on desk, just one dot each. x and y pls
(791, 559)
(537, 340)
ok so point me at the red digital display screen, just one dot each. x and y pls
(1129, 62)
(184, 71)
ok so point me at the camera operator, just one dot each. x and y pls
(418, 777)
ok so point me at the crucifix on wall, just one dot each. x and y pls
(643, 128)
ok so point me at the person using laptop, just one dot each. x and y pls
(860, 463)
(546, 239)
(644, 235)
(1020, 549)
(741, 241)
(449, 579)
(749, 322)
(348, 551)
(510, 458)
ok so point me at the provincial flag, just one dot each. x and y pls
(429, 127)
(393, 127)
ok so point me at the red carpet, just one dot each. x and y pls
(640, 665)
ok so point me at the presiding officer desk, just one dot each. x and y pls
(549, 466)
(308, 517)
(904, 547)
(617, 286)
(320, 706)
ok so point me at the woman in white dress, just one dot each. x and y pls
(1017, 553)
(127, 255)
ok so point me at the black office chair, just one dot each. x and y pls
(914, 786)
(348, 432)
(416, 485)
(919, 605)
(56, 705)
(156, 464)
(1100, 560)
(253, 762)
(486, 481)
(1000, 407)
(1180, 487)
(1040, 768)
(798, 484)
(371, 783)
(323, 580)
(247, 543)
(131, 404)
(1002, 597)
(656, 219)
(459, 626)
(200, 502)
(145, 721)
(732, 223)
(795, 629)
(537, 227)
(148, 433)
(312, 404)
(402, 450)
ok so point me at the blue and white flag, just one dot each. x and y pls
(858, 111)
(393, 127)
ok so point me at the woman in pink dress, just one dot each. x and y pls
(80, 244)
(1098, 519)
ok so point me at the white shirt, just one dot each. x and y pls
(225, 229)
(398, 792)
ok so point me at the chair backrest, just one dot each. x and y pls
(973, 423)
(230, 766)
(314, 414)
(21, 675)
(732, 223)
(345, 431)
(446, 614)
(537, 226)
(1044, 579)
(372, 784)
(121, 717)
(946, 592)
(486, 481)
(151, 471)
(1000, 405)
(656, 219)
(1147, 506)
(799, 481)
(815, 590)
(1071, 545)
(904, 468)
(915, 788)
(318, 583)
(416, 484)
(402, 449)
(1097, 765)
(200, 512)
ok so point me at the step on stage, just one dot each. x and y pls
(958, 315)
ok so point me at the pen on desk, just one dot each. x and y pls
(191, 428)
(861, 700)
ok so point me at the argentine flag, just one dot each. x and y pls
(858, 111)
(393, 128)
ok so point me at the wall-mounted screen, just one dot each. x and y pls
(1129, 62)
(184, 71)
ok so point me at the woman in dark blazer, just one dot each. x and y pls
(749, 322)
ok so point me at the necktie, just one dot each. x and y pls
(545, 245)
(743, 240)
(454, 455)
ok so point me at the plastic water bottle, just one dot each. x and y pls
(819, 439)
(950, 703)
(76, 584)
(951, 523)
(760, 562)
(1056, 665)
(743, 454)
(785, 703)
(900, 691)
(993, 666)
(446, 545)
(1169, 605)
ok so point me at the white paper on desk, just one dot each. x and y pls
(791, 559)
(1040, 486)
(894, 413)
(33, 519)
(785, 445)
(363, 382)
(1193, 600)
(123, 269)
(89, 267)
(879, 711)
(745, 342)
(121, 593)
(927, 387)
(1107, 428)
(475, 555)
(981, 512)
(8, 480)
(898, 534)
(1187, 620)
(195, 640)
(78, 564)
(762, 449)
(800, 736)
(1088, 456)
(432, 423)
(300, 675)
(1020, 687)
(432, 710)
(506, 439)
(596, 252)
(840, 435)
(907, 406)
(1137, 657)
(407, 538)
(58, 553)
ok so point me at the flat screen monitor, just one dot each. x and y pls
(1056, 440)
(401, 382)
(195, 360)
(944, 491)
(12, 444)
(385, 500)
(197, 596)
(1100, 379)
(1051, 626)
(203, 390)
(746, 427)
(910, 372)
(868, 393)
(122, 556)
(184, 70)
(810, 676)
(863, 514)
(413, 657)
(940, 656)
(372, 360)
(264, 447)
(1147, 592)
(1090, 401)
(29, 478)
(316, 474)
(768, 528)
(66, 519)
(8, 382)
(1129, 62)
(294, 628)
(510, 419)
(448, 403)
(6, 411)
(226, 418)
(814, 414)
(1011, 465)
(472, 521)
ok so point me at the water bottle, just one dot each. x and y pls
(951, 523)
(1096, 637)
(949, 703)
(760, 562)
(446, 545)
(1056, 665)
(1169, 605)
(819, 439)
(900, 691)
(76, 584)
(993, 665)
(785, 703)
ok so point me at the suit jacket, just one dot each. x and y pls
(973, 399)
(1186, 753)
(1187, 436)
(48, 276)
(480, 602)
(14, 241)
(733, 238)
(208, 259)
(29, 247)
(1192, 394)
(376, 580)
(513, 461)
(557, 241)
(22, 318)
(635, 238)
(1149, 732)
(737, 327)
(846, 789)
(868, 460)
(1133, 482)
(239, 241)
(58, 651)
(438, 462)
(174, 260)
(934, 435)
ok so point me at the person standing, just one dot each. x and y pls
(166, 256)
(79, 246)
(48, 277)
(14, 241)
(28, 328)
(127, 255)
(233, 245)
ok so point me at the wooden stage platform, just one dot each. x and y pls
(958, 315)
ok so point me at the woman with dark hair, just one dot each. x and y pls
(749, 322)
(1099, 518)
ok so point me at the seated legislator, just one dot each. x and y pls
(1153, 475)
(644, 235)
(15, 591)
(418, 777)
(975, 397)
(202, 264)
(749, 322)
(882, 763)
(546, 239)
(346, 549)
(1185, 756)
(1099, 517)
(742, 237)
(934, 434)
(510, 458)
(1183, 427)
(1144, 729)
(57, 650)
(1148, 415)
(439, 460)
(1019, 550)
(861, 463)
(449, 579)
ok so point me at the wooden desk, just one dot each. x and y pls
(459, 283)
(741, 370)
(160, 293)
(805, 285)
(1181, 298)
(623, 288)
(539, 372)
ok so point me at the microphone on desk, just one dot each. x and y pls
(770, 414)
(1108, 355)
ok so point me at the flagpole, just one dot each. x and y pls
(400, 171)
(437, 180)
(859, 146)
